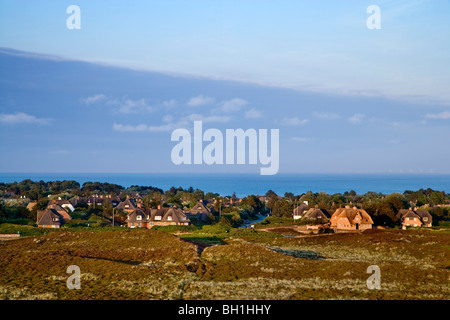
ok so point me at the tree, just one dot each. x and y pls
(437, 197)
(282, 208)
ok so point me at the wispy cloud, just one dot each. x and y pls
(200, 101)
(326, 115)
(442, 116)
(94, 99)
(21, 117)
(253, 114)
(124, 105)
(356, 118)
(295, 121)
(232, 105)
(133, 106)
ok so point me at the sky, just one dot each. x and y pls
(106, 97)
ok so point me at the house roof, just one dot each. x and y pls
(424, 214)
(316, 214)
(298, 211)
(123, 204)
(31, 205)
(176, 214)
(200, 207)
(49, 217)
(143, 213)
(352, 214)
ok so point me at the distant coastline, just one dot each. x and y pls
(246, 184)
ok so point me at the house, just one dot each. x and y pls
(175, 216)
(66, 204)
(138, 218)
(145, 218)
(414, 218)
(299, 211)
(127, 205)
(200, 211)
(316, 214)
(98, 201)
(350, 219)
(49, 218)
(425, 216)
(60, 210)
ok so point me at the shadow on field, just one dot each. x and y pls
(304, 254)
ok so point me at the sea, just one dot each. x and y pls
(247, 184)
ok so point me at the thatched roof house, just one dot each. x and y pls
(351, 219)
(127, 205)
(200, 211)
(316, 214)
(145, 218)
(49, 218)
(414, 218)
(299, 211)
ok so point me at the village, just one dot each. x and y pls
(147, 207)
(146, 243)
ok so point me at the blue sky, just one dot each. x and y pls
(345, 98)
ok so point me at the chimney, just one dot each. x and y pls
(316, 206)
(139, 205)
(159, 206)
(347, 207)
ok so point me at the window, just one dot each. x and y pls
(425, 219)
(411, 219)
(127, 206)
(169, 218)
(157, 217)
(138, 218)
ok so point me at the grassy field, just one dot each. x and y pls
(120, 263)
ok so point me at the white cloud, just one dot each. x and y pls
(326, 115)
(356, 118)
(232, 105)
(253, 114)
(442, 116)
(134, 106)
(21, 117)
(295, 121)
(200, 101)
(94, 99)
